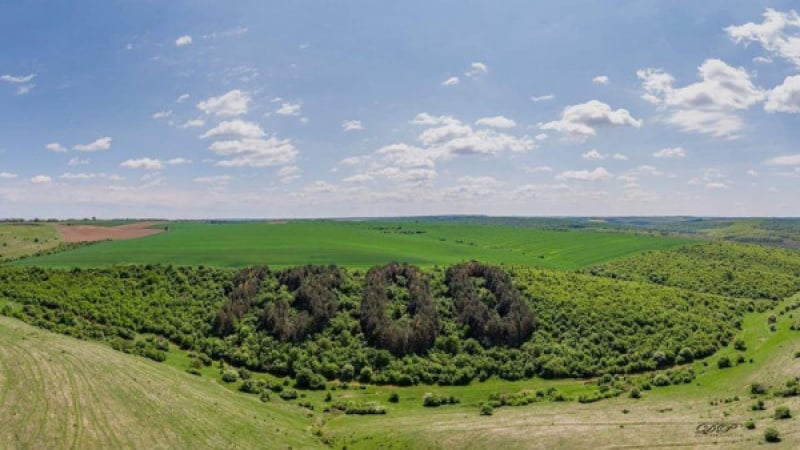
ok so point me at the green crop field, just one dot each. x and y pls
(359, 244)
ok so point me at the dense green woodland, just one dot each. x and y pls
(398, 324)
(734, 270)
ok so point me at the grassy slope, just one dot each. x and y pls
(358, 244)
(18, 240)
(58, 392)
(664, 417)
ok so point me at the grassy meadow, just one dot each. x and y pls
(23, 239)
(359, 244)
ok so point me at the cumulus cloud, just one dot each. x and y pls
(183, 40)
(162, 114)
(496, 122)
(600, 79)
(143, 163)
(7, 176)
(476, 69)
(785, 97)
(100, 144)
(235, 128)
(777, 34)
(670, 152)
(594, 155)
(581, 121)
(352, 125)
(55, 147)
(619, 157)
(707, 106)
(41, 179)
(598, 174)
(452, 81)
(289, 109)
(232, 103)
(250, 152)
(785, 160)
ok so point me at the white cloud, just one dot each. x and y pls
(289, 109)
(785, 97)
(762, 60)
(476, 69)
(600, 79)
(143, 163)
(17, 79)
(670, 152)
(496, 122)
(254, 152)
(350, 161)
(752, 173)
(183, 40)
(235, 128)
(594, 155)
(214, 179)
(103, 143)
(452, 81)
(619, 157)
(359, 178)
(540, 137)
(538, 169)
(785, 160)
(706, 106)
(25, 88)
(716, 185)
(288, 174)
(598, 174)
(77, 176)
(581, 121)
(405, 155)
(320, 187)
(55, 147)
(774, 34)
(178, 161)
(542, 98)
(182, 98)
(78, 161)
(716, 123)
(352, 125)
(194, 123)
(162, 114)
(7, 176)
(232, 103)
(41, 179)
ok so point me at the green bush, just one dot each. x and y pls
(749, 424)
(782, 412)
(230, 376)
(772, 435)
(487, 409)
(394, 397)
(723, 362)
(434, 400)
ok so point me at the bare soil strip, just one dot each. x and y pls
(91, 233)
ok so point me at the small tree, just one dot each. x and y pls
(724, 362)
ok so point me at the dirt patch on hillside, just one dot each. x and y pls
(91, 233)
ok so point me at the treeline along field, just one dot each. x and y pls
(357, 245)
(395, 324)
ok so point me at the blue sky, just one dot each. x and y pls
(193, 109)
